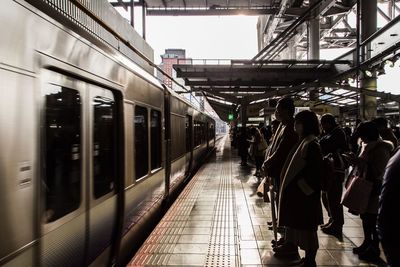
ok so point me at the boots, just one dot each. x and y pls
(370, 254)
(362, 248)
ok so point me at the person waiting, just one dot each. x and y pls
(333, 144)
(388, 222)
(300, 210)
(284, 139)
(371, 163)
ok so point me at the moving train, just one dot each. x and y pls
(91, 146)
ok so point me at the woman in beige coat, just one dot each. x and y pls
(300, 210)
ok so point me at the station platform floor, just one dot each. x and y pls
(218, 220)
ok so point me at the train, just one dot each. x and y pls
(91, 145)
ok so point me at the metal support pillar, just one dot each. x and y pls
(243, 113)
(132, 7)
(144, 19)
(292, 49)
(368, 104)
(313, 43)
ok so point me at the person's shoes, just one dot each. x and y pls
(307, 263)
(371, 254)
(332, 231)
(362, 248)
(298, 262)
(326, 224)
(287, 249)
(278, 243)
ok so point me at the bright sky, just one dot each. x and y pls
(226, 37)
(211, 37)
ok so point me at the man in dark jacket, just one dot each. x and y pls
(333, 143)
(384, 131)
(282, 143)
(388, 225)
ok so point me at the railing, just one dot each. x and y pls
(112, 24)
(381, 44)
(189, 61)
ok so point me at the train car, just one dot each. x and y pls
(91, 145)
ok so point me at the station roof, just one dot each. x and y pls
(256, 76)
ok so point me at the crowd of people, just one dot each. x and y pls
(308, 160)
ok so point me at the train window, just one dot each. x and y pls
(211, 132)
(196, 133)
(155, 131)
(104, 143)
(62, 151)
(188, 123)
(141, 142)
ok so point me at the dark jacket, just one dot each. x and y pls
(300, 194)
(335, 143)
(283, 141)
(372, 161)
(242, 143)
(388, 135)
(388, 220)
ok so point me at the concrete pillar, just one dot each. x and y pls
(313, 45)
(368, 105)
(314, 36)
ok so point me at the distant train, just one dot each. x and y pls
(89, 146)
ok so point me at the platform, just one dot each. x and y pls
(218, 220)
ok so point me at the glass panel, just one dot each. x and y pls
(104, 143)
(141, 142)
(62, 152)
(196, 133)
(188, 123)
(155, 139)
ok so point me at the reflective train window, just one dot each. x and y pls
(61, 151)
(155, 131)
(141, 142)
(104, 142)
(188, 126)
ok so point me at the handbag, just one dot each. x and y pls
(262, 145)
(263, 189)
(357, 194)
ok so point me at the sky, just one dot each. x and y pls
(226, 37)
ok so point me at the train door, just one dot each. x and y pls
(207, 132)
(105, 175)
(189, 142)
(167, 138)
(80, 172)
(63, 171)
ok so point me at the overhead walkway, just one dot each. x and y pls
(218, 220)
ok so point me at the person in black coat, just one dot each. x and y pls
(333, 144)
(388, 222)
(243, 145)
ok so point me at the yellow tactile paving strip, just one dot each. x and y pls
(219, 221)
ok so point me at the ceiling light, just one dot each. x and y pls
(368, 73)
(380, 70)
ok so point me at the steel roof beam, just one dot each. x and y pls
(209, 12)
